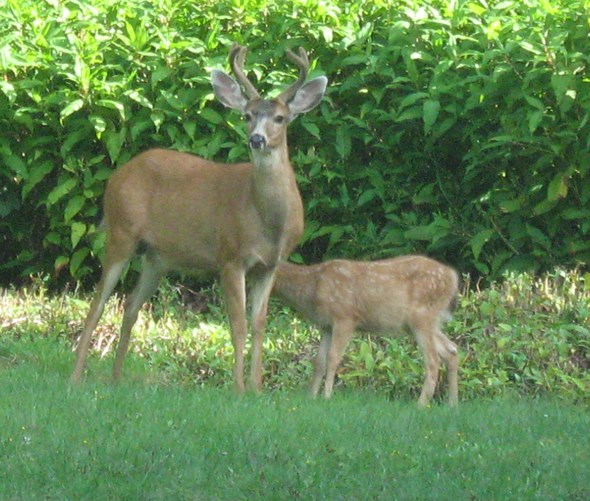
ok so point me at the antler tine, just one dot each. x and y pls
(302, 61)
(237, 57)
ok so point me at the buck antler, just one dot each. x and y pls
(302, 61)
(237, 57)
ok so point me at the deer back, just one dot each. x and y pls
(375, 295)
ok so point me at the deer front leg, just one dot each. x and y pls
(342, 333)
(260, 293)
(233, 285)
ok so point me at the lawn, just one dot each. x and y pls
(173, 429)
(154, 442)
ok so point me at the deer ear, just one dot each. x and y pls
(308, 96)
(228, 91)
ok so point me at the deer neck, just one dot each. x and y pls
(297, 285)
(275, 191)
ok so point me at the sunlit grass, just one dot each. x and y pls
(138, 441)
(173, 429)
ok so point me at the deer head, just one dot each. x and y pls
(267, 118)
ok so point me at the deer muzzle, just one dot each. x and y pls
(257, 141)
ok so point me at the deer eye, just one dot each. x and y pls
(279, 119)
(248, 117)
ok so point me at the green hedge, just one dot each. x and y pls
(458, 129)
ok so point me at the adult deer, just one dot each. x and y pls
(187, 213)
(380, 297)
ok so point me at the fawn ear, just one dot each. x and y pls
(308, 96)
(228, 91)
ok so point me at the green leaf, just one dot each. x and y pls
(366, 197)
(77, 260)
(312, 128)
(61, 190)
(411, 114)
(561, 84)
(538, 236)
(114, 142)
(138, 98)
(139, 127)
(98, 242)
(343, 143)
(190, 128)
(160, 74)
(535, 103)
(99, 124)
(36, 175)
(8, 90)
(535, 119)
(478, 241)
(157, 119)
(543, 207)
(16, 164)
(78, 230)
(60, 262)
(476, 8)
(354, 60)
(71, 108)
(571, 214)
(431, 109)
(73, 207)
(510, 205)
(113, 105)
(77, 136)
(557, 188)
(412, 99)
(9, 202)
(366, 356)
(211, 116)
(53, 238)
(172, 99)
(444, 126)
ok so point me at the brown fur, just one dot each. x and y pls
(382, 297)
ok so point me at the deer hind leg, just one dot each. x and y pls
(342, 333)
(320, 363)
(260, 293)
(233, 285)
(426, 336)
(449, 353)
(146, 286)
(117, 255)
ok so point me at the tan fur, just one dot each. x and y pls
(382, 297)
(203, 217)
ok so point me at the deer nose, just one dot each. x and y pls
(257, 141)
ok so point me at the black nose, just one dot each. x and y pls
(257, 141)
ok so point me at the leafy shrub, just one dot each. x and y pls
(457, 128)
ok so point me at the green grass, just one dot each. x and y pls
(173, 430)
(151, 442)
